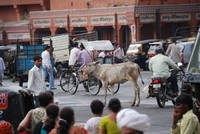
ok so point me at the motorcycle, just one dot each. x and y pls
(161, 88)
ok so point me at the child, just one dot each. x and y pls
(108, 124)
(92, 124)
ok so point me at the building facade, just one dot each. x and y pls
(121, 21)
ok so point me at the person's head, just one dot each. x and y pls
(114, 105)
(45, 98)
(67, 120)
(186, 89)
(184, 103)
(52, 111)
(37, 61)
(97, 107)
(82, 46)
(75, 44)
(47, 48)
(130, 121)
(159, 50)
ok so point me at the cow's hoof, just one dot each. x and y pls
(133, 105)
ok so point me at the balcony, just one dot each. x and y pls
(19, 2)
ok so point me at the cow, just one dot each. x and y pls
(109, 74)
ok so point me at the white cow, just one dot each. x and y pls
(109, 74)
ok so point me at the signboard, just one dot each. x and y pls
(147, 18)
(198, 16)
(103, 20)
(60, 22)
(133, 33)
(3, 101)
(122, 19)
(78, 21)
(175, 17)
(42, 22)
(15, 36)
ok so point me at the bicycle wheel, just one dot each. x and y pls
(93, 85)
(116, 88)
(69, 82)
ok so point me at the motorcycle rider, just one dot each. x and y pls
(160, 66)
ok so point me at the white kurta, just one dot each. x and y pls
(36, 81)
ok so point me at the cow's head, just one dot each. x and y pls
(89, 69)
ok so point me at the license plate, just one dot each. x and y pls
(156, 85)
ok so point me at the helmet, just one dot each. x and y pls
(159, 49)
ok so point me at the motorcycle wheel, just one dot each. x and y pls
(69, 83)
(161, 98)
(116, 88)
(93, 85)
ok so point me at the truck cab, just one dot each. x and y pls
(192, 75)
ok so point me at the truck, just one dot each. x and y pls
(24, 60)
(192, 73)
(61, 45)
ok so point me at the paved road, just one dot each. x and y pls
(160, 118)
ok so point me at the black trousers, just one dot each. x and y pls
(173, 81)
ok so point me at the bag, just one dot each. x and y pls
(27, 126)
(145, 92)
(43, 131)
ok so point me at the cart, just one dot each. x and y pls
(69, 79)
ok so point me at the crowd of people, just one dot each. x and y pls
(48, 118)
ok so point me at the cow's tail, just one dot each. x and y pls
(140, 75)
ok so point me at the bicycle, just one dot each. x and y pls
(70, 80)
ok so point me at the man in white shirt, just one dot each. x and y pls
(74, 54)
(173, 51)
(160, 64)
(102, 54)
(47, 67)
(118, 54)
(36, 81)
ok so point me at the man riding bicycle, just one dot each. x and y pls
(84, 58)
(160, 66)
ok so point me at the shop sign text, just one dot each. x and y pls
(78, 21)
(15, 36)
(175, 17)
(147, 18)
(42, 22)
(60, 22)
(103, 20)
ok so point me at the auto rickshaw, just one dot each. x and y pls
(97, 46)
(138, 51)
(15, 102)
